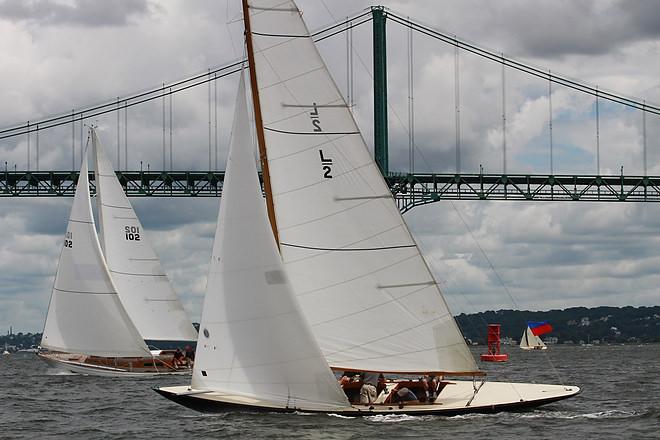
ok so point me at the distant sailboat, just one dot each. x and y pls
(529, 341)
(349, 289)
(91, 327)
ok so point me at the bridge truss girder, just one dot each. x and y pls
(409, 190)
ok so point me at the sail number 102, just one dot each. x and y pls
(132, 233)
(68, 240)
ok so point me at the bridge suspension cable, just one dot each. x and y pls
(521, 66)
(160, 92)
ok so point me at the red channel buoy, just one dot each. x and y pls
(494, 354)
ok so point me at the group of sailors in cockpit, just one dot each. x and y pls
(374, 383)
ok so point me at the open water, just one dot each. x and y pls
(620, 400)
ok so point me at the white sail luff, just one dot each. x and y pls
(360, 278)
(85, 314)
(254, 341)
(143, 286)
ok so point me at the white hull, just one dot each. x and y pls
(72, 366)
(456, 398)
(538, 347)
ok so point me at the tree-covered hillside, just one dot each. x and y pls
(599, 324)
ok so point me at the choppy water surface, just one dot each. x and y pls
(620, 399)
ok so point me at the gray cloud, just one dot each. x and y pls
(80, 13)
(549, 255)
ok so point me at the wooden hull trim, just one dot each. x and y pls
(84, 368)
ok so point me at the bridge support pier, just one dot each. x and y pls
(380, 89)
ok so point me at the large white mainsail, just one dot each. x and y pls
(143, 287)
(253, 338)
(367, 292)
(85, 314)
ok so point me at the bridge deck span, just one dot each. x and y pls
(409, 190)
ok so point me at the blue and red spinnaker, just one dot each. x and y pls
(539, 328)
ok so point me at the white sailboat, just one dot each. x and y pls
(530, 341)
(362, 290)
(91, 328)
(142, 285)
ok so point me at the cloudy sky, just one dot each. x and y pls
(59, 55)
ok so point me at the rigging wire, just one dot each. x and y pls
(503, 115)
(164, 146)
(597, 136)
(524, 67)
(457, 107)
(644, 137)
(411, 104)
(174, 87)
(125, 136)
(501, 281)
(552, 167)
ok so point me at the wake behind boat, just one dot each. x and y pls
(306, 281)
(105, 304)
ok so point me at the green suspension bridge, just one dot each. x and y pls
(409, 189)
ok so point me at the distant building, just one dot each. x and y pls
(551, 340)
(585, 322)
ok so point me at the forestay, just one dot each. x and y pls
(253, 338)
(85, 314)
(367, 292)
(143, 286)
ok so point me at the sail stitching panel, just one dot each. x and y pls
(261, 34)
(338, 103)
(337, 212)
(254, 318)
(382, 248)
(142, 275)
(312, 133)
(306, 149)
(321, 253)
(81, 221)
(282, 82)
(321, 182)
(386, 355)
(364, 275)
(84, 292)
(393, 300)
(262, 9)
(115, 206)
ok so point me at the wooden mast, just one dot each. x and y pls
(261, 141)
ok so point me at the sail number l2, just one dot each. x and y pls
(315, 118)
(326, 164)
(132, 233)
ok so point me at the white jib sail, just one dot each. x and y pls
(143, 286)
(253, 339)
(529, 340)
(85, 314)
(364, 287)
